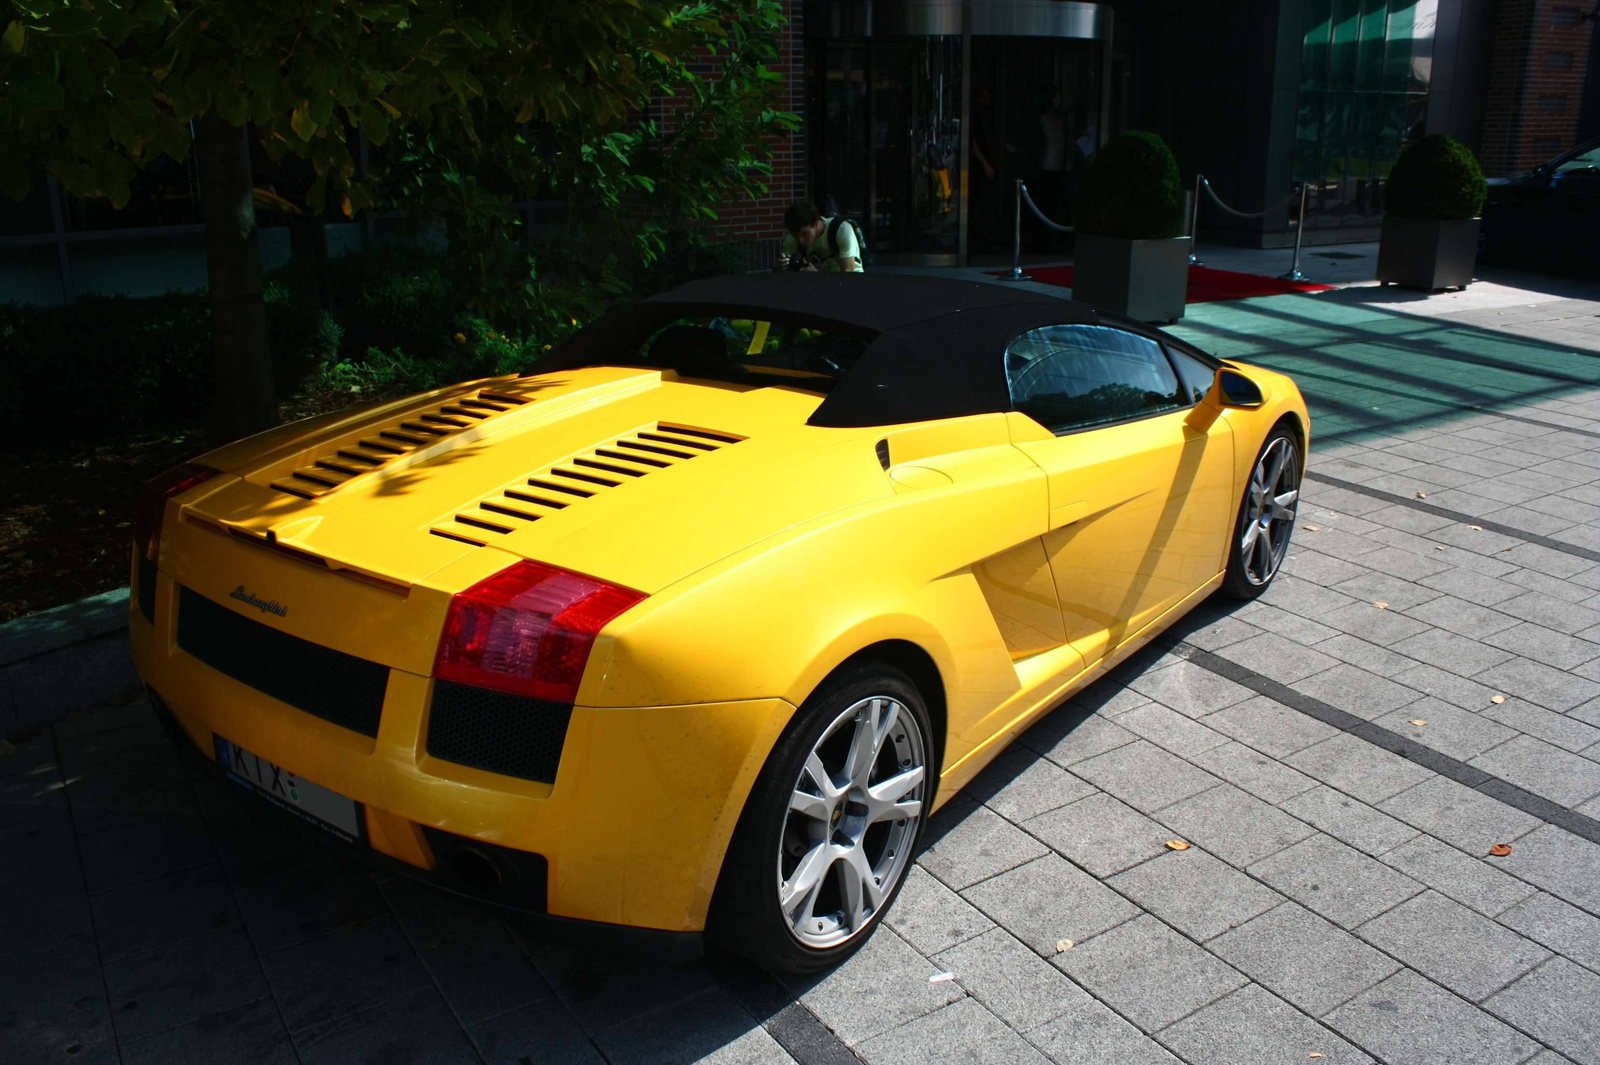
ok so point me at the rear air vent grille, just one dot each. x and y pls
(388, 442)
(608, 466)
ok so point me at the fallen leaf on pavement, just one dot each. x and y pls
(1314, 528)
(1500, 850)
(1503, 550)
(1064, 944)
(1438, 547)
(1476, 528)
(1422, 495)
(1314, 1054)
(1418, 721)
(1497, 698)
(941, 978)
(1381, 605)
(1177, 845)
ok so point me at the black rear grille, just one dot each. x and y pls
(502, 733)
(341, 689)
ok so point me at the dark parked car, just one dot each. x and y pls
(1548, 218)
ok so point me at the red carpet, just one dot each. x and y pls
(1205, 284)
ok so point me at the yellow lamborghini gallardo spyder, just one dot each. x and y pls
(690, 629)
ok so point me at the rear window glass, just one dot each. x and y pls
(754, 351)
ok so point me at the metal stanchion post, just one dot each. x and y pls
(1294, 273)
(1194, 222)
(1016, 241)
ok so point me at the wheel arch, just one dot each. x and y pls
(915, 662)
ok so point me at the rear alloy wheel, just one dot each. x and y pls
(1266, 517)
(830, 828)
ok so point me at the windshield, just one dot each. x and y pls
(1585, 158)
(753, 351)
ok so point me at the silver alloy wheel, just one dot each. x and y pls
(1269, 509)
(851, 821)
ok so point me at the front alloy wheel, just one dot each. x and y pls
(1266, 517)
(831, 826)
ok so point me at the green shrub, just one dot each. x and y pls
(1435, 178)
(1132, 190)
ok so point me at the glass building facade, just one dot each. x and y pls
(1366, 67)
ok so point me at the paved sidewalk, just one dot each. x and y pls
(1422, 684)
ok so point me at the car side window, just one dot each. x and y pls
(1196, 374)
(1070, 377)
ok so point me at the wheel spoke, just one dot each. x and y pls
(807, 876)
(865, 743)
(1248, 543)
(1281, 504)
(884, 799)
(862, 892)
(820, 775)
(1279, 455)
(1263, 553)
(813, 806)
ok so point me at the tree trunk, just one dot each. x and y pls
(245, 400)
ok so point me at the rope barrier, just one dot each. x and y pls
(1040, 214)
(1204, 183)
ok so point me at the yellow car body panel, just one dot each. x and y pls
(1020, 564)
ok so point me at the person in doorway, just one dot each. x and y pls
(1052, 165)
(816, 242)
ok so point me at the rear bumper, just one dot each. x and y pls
(632, 831)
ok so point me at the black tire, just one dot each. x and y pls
(1242, 580)
(746, 916)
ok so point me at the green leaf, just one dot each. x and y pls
(301, 122)
(14, 38)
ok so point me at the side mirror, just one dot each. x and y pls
(1234, 389)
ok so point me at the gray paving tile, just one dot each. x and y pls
(1090, 1034)
(1233, 825)
(251, 1034)
(157, 913)
(1350, 820)
(1020, 784)
(173, 985)
(1545, 645)
(414, 1027)
(543, 1032)
(1551, 612)
(882, 986)
(1268, 726)
(1011, 980)
(53, 997)
(972, 843)
(1455, 653)
(319, 981)
(931, 917)
(1280, 659)
(1449, 730)
(1292, 626)
(1356, 691)
(114, 799)
(1100, 834)
(1563, 928)
(1386, 628)
(1459, 815)
(1171, 730)
(1144, 776)
(307, 898)
(602, 989)
(1221, 632)
(145, 850)
(1400, 593)
(40, 846)
(1254, 1027)
(1547, 561)
(483, 974)
(1473, 587)
(1358, 768)
(1191, 690)
(1461, 617)
(710, 1027)
(1543, 769)
(1445, 941)
(43, 910)
(1447, 687)
(115, 750)
(1367, 656)
(1148, 973)
(1050, 900)
(1260, 775)
(962, 1032)
(1551, 688)
(1563, 730)
(1570, 588)
(1303, 958)
(1465, 878)
(1335, 880)
(1195, 893)
(1556, 1003)
(1407, 1018)
(1092, 736)
(1314, 566)
(1559, 862)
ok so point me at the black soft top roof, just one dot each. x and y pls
(936, 343)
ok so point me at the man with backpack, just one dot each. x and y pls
(818, 243)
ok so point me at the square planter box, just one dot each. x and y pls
(1146, 280)
(1427, 254)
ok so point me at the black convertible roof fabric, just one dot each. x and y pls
(937, 349)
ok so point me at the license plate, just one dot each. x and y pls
(328, 810)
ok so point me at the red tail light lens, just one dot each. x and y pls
(528, 630)
(153, 504)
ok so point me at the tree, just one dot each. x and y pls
(95, 89)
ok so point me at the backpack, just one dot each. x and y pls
(855, 227)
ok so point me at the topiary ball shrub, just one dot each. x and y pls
(1132, 190)
(1435, 178)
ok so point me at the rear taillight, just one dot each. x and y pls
(528, 630)
(153, 504)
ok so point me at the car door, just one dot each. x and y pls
(1139, 471)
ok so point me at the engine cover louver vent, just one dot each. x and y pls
(566, 483)
(394, 439)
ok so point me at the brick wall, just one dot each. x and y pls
(759, 222)
(1537, 63)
